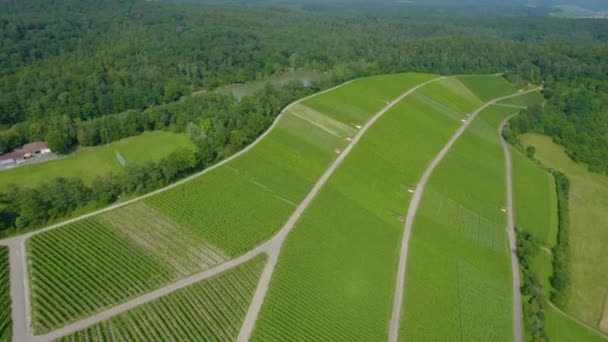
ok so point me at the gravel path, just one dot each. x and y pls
(517, 316)
(409, 222)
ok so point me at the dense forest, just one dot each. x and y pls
(87, 72)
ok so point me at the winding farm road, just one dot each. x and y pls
(19, 279)
(409, 222)
(517, 317)
(20, 289)
(262, 288)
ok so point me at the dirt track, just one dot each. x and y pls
(409, 222)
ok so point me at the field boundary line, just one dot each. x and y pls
(411, 214)
(510, 105)
(264, 282)
(316, 124)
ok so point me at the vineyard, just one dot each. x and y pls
(488, 88)
(453, 94)
(194, 226)
(210, 310)
(458, 277)
(354, 103)
(5, 300)
(345, 247)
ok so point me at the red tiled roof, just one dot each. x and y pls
(35, 146)
(13, 155)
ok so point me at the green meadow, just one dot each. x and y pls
(588, 230)
(89, 162)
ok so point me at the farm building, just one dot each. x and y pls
(28, 151)
(35, 148)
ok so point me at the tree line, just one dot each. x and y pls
(68, 62)
(218, 125)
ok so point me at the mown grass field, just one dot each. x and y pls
(224, 213)
(588, 231)
(487, 87)
(210, 310)
(345, 247)
(89, 162)
(5, 299)
(534, 199)
(458, 282)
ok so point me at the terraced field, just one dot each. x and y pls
(458, 284)
(198, 224)
(5, 300)
(211, 310)
(345, 247)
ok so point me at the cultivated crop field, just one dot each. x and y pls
(191, 227)
(5, 300)
(89, 162)
(458, 282)
(535, 97)
(210, 310)
(345, 247)
(486, 87)
(353, 103)
(452, 93)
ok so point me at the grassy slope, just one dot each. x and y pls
(5, 300)
(345, 247)
(487, 87)
(458, 275)
(535, 199)
(535, 97)
(89, 162)
(588, 232)
(232, 208)
(352, 103)
(193, 313)
(451, 93)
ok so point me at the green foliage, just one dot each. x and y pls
(87, 163)
(5, 300)
(534, 301)
(212, 309)
(560, 280)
